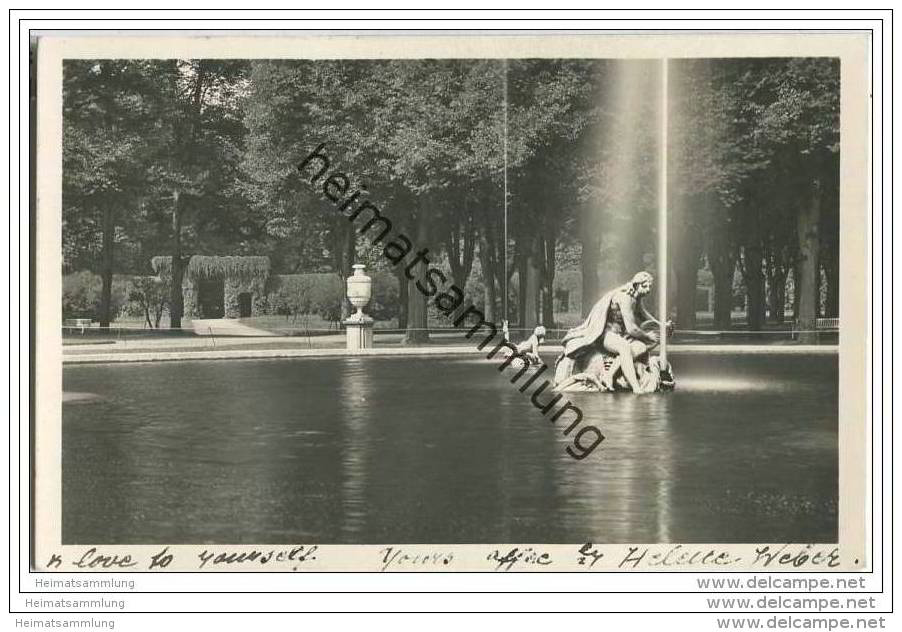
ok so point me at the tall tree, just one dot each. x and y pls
(800, 125)
(107, 138)
(711, 156)
(203, 131)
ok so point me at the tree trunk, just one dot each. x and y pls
(108, 229)
(461, 247)
(489, 273)
(831, 273)
(687, 285)
(490, 261)
(176, 297)
(776, 295)
(106, 273)
(549, 246)
(754, 284)
(723, 265)
(521, 261)
(402, 297)
(795, 290)
(531, 293)
(776, 270)
(809, 241)
(723, 292)
(158, 313)
(488, 299)
(686, 280)
(417, 313)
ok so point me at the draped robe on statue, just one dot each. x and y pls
(584, 354)
(591, 330)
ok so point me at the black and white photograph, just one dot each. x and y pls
(456, 298)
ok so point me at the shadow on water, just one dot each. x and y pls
(377, 450)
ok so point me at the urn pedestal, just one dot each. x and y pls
(359, 327)
(359, 333)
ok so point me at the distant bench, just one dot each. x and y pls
(820, 324)
(79, 323)
(826, 323)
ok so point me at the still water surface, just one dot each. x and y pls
(420, 450)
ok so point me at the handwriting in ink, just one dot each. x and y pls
(527, 556)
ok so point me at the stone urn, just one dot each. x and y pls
(360, 290)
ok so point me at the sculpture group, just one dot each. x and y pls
(611, 349)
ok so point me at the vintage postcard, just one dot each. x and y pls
(467, 303)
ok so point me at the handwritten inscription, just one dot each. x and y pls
(789, 555)
(518, 557)
(674, 556)
(92, 558)
(587, 556)
(297, 554)
(161, 559)
(393, 557)
(95, 559)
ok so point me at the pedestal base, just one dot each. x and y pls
(359, 333)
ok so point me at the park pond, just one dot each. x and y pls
(378, 450)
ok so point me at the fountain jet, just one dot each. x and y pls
(662, 217)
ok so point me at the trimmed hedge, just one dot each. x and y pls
(216, 267)
(295, 294)
(323, 293)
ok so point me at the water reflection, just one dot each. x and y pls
(625, 490)
(354, 393)
(379, 450)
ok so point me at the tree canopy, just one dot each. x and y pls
(179, 158)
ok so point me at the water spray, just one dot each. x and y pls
(662, 218)
(504, 288)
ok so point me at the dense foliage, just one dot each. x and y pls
(194, 158)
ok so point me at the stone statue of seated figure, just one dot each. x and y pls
(610, 350)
